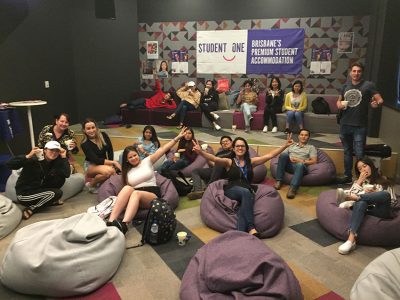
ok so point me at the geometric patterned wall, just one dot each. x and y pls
(319, 32)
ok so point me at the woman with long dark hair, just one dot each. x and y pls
(239, 167)
(273, 104)
(370, 194)
(295, 105)
(184, 155)
(209, 103)
(140, 183)
(148, 143)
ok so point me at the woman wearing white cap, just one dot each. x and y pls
(43, 174)
(190, 101)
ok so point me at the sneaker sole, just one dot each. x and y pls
(346, 252)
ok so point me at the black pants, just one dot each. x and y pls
(207, 108)
(49, 193)
(137, 103)
(271, 112)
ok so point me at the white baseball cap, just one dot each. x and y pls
(191, 83)
(52, 145)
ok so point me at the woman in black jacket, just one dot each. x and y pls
(209, 103)
(40, 181)
(273, 104)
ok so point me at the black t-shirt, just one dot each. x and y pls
(359, 97)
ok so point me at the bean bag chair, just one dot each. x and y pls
(373, 231)
(380, 279)
(113, 185)
(72, 186)
(236, 265)
(219, 212)
(63, 257)
(199, 162)
(10, 216)
(321, 173)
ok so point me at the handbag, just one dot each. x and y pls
(222, 85)
(104, 208)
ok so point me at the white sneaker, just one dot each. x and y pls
(346, 247)
(340, 196)
(265, 129)
(217, 127)
(347, 204)
(91, 189)
(275, 129)
(247, 129)
(216, 117)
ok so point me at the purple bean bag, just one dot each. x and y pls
(199, 162)
(321, 173)
(236, 265)
(219, 212)
(373, 231)
(113, 185)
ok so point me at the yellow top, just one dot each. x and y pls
(299, 103)
(191, 97)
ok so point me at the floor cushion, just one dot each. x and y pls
(323, 172)
(236, 265)
(373, 231)
(219, 212)
(113, 185)
(380, 279)
(10, 216)
(63, 257)
(72, 186)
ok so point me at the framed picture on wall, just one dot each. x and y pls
(147, 69)
(162, 68)
(152, 50)
(180, 63)
(345, 42)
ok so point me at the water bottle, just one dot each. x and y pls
(154, 232)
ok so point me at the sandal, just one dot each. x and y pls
(27, 213)
(57, 203)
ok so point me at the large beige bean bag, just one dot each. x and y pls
(63, 257)
(10, 216)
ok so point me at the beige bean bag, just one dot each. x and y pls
(380, 279)
(72, 186)
(10, 216)
(63, 257)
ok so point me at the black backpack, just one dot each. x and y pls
(320, 106)
(182, 187)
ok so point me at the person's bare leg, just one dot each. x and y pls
(99, 173)
(121, 202)
(137, 199)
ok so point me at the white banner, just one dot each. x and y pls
(221, 51)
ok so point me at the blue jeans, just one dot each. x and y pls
(375, 204)
(175, 165)
(297, 169)
(353, 138)
(295, 116)
(182, 108)
(246, 209)
(247, 109)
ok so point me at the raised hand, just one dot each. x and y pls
(196, 146)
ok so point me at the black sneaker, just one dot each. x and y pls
(120, 225)
(287, 131)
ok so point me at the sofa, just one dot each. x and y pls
(228, 117)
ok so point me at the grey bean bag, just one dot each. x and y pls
(10, 216)
(380, 279)
(72, 186)
(373, 231)
(113, 185)
(219, 212)
(236, 265)
(199, 162)
(63, 257)
(323, 172)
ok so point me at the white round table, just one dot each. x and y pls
(28, 104)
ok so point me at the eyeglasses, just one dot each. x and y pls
(240, 146)
(225, 142)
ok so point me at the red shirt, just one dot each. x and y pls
(158, 99)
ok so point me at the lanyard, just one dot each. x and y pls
(243, 169)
